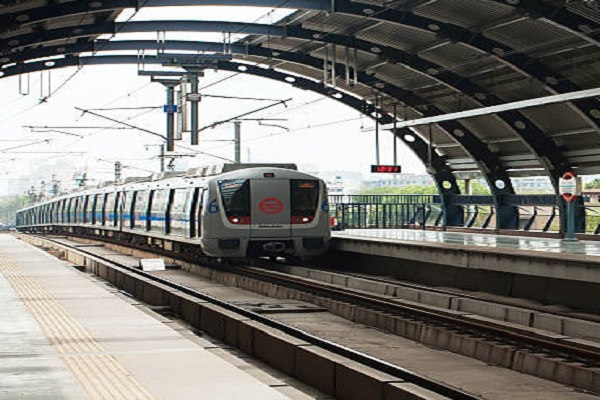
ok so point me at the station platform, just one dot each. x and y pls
(552, 271)
(65, 335)
(498, 243)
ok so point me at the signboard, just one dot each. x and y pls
(152, 264)
(569, 186)
(270, 205)
(193, 97)
(394, 169)
(170, 108)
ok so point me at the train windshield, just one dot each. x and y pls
(305, 195)
(236, 197)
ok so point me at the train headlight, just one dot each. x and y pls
(298, 220)
(239, 220)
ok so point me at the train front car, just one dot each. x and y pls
(271, 212)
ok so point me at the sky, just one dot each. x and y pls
(315, 132)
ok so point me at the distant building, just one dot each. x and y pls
(532, 184)
(399, 180)
(336, 185)
(341, 182)
(591, 195)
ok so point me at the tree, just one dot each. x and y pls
(9, 206)
(476, 187)
(595, 184)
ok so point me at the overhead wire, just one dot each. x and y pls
(138, 8)
(299, 45)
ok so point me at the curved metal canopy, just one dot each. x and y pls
(418, 57)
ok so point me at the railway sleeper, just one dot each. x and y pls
(334, 375)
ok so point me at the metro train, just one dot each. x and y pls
(231, 211)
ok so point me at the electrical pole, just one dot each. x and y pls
(162, 158)
(170, 109)
(237, 127)
(194, 98)
(118, 169)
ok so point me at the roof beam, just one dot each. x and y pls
(441, 174)
(493, 170)
(518, 60)
(531, 135)
(585, 28)
(11, 21)
(516, 105)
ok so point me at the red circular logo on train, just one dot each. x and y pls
(270, 205)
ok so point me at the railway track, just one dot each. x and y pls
(383, 309)
(376, 364)
(523, 338)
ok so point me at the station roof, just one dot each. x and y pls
(409, 58)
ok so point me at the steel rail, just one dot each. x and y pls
(335, 348)
(424, 312)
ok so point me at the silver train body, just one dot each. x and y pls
(233, 213)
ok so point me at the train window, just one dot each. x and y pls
(197, 208)
(102, 208)
(141, 209)
(304, 198)
(61, 205)
(235, 194)
(80, 210)
(179, 212)
(120, 210)
(84, 210)
(65, 211)
(128, 210)
(93, 217)
(69, 211)
(110, 206)
(56, 206)
(73, 210)
(72, 206)
(80, 207)
(158, 208)
(194, 211)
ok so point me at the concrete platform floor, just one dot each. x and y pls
(580, 247)
(65, 336)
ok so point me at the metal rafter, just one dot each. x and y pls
(11, 21)
(492, 169)
(442, 175)
(532, 136)
(449, 31)
(585, 28)
(528, 66)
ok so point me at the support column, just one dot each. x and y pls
(162, 158)
(237, 127)
(193, 77)
(170, 116)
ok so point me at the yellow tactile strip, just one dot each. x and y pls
(99, 374)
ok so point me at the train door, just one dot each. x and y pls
(121, 201)
(270, 208)
(197, 210)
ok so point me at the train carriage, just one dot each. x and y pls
(231, 211)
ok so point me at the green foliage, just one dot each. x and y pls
(9, 206)
(476, 187)
(399, 190)
(595, 184)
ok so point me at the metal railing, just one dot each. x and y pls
(386, 211)
(426, 211)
